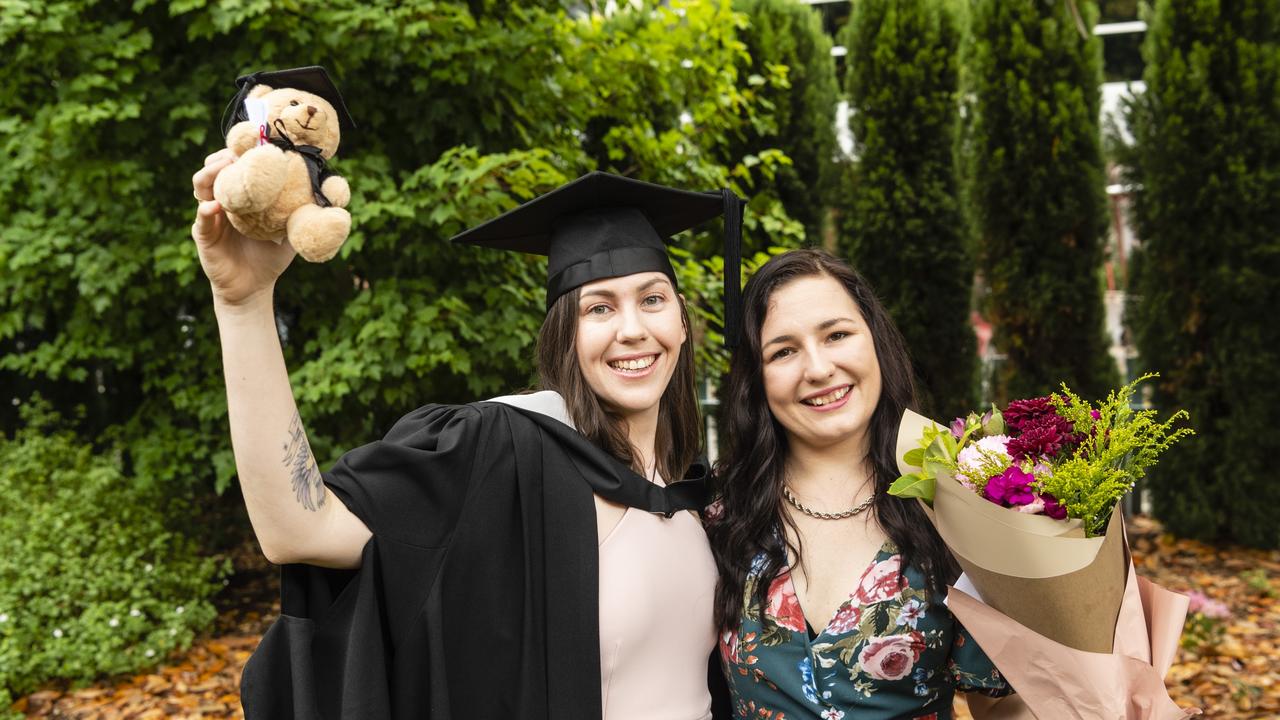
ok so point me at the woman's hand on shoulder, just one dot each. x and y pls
(240, 270)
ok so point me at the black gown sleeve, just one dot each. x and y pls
(409, 486)
(332, 653)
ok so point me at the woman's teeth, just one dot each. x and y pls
(830, 397)
(636, 364)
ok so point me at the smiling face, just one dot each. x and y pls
(629, 334)
(306, 118)
(820, 371)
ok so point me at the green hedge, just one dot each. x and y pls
(464, 110)
(903, 228)
(790, 59)
(94, 578)
(1206, 167)
(1036, 191)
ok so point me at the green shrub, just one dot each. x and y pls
(1206, 169)
(786, 38)
(92, 581)
(1032, 149)
(903, 227)
(464, 110)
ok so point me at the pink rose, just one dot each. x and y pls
(881, 582)
(891, 657)
(846, 619)
(784, 607)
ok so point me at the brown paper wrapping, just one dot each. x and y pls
(1041, 572)
(1064, 617)
(1078, 609)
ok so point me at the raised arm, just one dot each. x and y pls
(294, 517)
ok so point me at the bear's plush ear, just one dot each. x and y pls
(259, 90)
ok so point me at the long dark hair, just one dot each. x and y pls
(679, 423)
(750, 477)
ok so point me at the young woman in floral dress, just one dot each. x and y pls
(831, 591)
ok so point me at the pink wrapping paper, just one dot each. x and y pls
(1045, 574)
(1056, 682)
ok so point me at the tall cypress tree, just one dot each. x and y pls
(1206, 161)
(787, 33)
(1036, 190)
(903, 228)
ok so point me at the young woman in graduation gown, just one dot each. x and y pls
(830, 597)
(527, 557)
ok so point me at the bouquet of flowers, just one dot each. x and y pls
(1027, 500)
(1056, 456)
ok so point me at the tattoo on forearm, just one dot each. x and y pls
(308, 486)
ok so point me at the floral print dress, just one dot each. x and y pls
(888, 653)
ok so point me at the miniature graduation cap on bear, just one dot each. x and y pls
(300, 112)
(313, 79)
(602, 225)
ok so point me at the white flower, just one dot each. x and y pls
(113, 622)
(179, 610)
(686, 63)
(4, 617)
(832, 714)
(969, 461)
(150, 652)
(135, 613)
(57, 632)
(148, 567)
(173, 631)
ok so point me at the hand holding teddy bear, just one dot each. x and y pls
(280, 187)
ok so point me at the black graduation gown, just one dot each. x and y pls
(477, 596)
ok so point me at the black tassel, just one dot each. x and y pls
(733, 209)
(235, 112)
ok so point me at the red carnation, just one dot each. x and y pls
(1021, 413)
(1043, 437)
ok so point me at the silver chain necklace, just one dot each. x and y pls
(791, 498)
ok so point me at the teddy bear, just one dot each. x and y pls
(283, 190)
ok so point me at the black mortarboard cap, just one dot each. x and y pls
(312, 79)
(603, 225)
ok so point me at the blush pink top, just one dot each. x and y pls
(657, 588)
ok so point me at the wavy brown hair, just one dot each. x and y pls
(749, 478)
(679, 423)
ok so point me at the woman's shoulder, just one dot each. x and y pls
(543, 402)
(477, 413)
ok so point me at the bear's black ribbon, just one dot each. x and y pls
(316, 168)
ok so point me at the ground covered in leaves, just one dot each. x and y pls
(1235, 673)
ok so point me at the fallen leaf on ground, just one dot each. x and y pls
(1237, 679)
